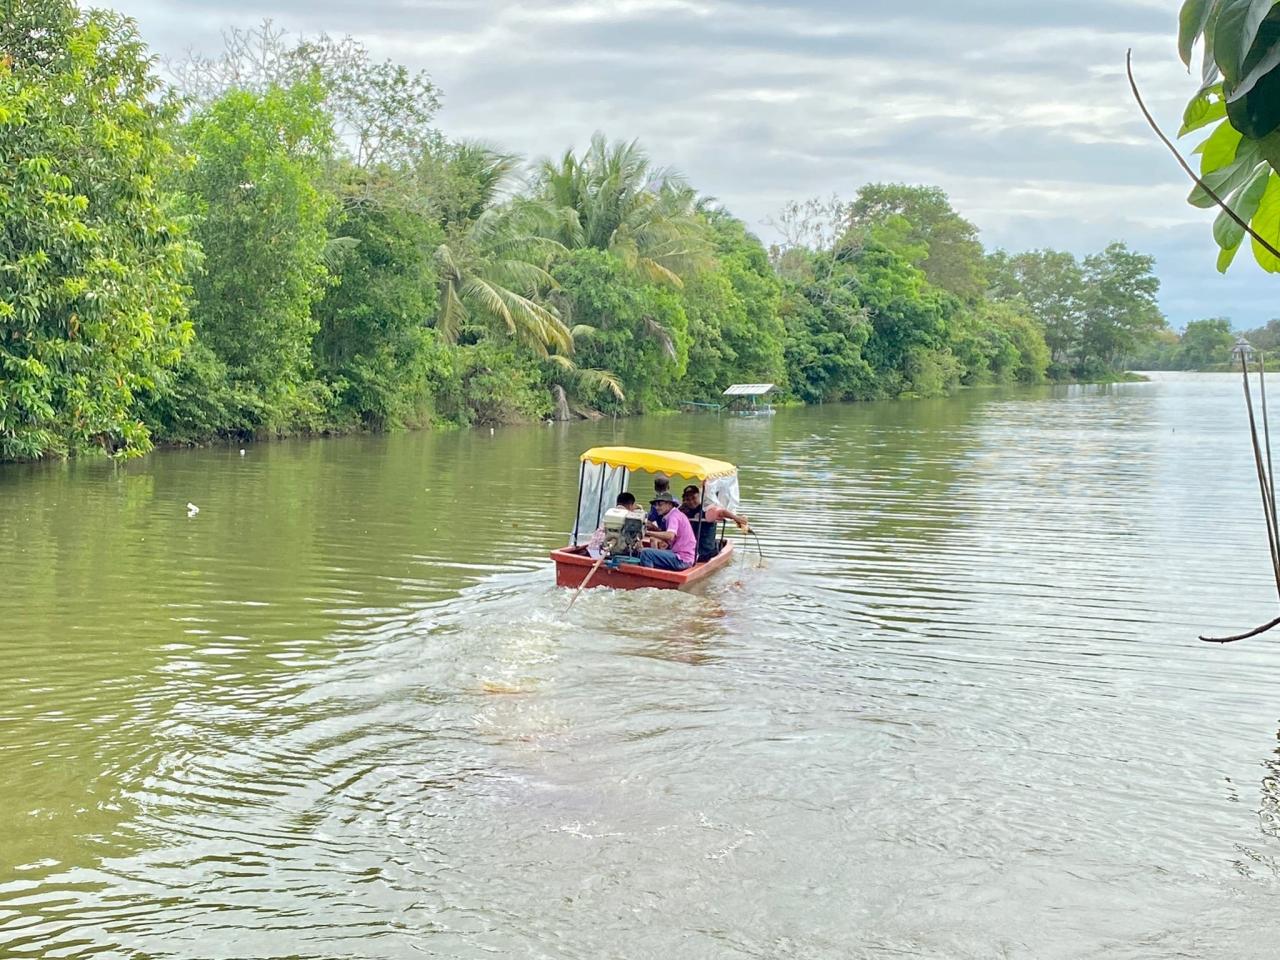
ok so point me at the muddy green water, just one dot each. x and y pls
(960, 712)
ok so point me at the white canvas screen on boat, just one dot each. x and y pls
(723, 491)
(599, 491)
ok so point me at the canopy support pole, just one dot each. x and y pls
(577, 514)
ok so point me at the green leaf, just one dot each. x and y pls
(1228, 178)
(1225, 256)
(1233, 34)
(1266, 223)
(1244, 202)
(1191, 22)
(1262, 59)
(1209, 66)
(1258, 113)
(1204, 109)
(1219, 148)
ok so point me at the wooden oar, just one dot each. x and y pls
(582, 586)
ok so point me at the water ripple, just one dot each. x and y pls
(956, 711)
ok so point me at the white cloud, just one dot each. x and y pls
(1020, 111)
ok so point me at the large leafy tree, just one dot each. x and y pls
(1050, 285)
(1239, 97)
(1205, 343)
(1120, 307)
(826, 331)
(624, 323)
(941, 242)
(374, 345)
(261, 218)
(613, 198)
(736, 333)
(757, 343)
(92, 262)
(910, 322)
(382, 112)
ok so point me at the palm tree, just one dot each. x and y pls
(494, 274)
(494, 267)
(612, 198)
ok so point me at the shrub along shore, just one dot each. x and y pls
(280, 240)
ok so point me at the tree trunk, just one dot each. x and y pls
(562, 411)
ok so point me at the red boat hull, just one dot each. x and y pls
(573, 565)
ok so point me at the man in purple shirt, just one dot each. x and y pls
(677, 537)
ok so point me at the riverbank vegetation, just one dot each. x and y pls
(280, 239)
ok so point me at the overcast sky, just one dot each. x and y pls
(1018, 109)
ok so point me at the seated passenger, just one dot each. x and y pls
(678, 549)
(661, 485)
(691, 506)
(704, 520)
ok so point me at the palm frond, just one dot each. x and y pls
(536, 325)
(600, 380)
(337, 249)
(481, 295)
(560, 360)
(522, 275)
(453, 313)
(659, 274)
(662, 335)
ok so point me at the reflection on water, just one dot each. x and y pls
(957, 711)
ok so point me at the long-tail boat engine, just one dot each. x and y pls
(623, 530)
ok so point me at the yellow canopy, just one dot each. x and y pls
(661, 461)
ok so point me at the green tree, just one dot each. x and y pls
(997, 342)
(1205, 343)
(826, 330)
(1160, 353)
(382, 112)
(910, 323)
(612, 198)
(932, 235)
(374, 345)
(493, 266)
(624, 323)
(736, 332)
(1120, 309)
(1049, 285)
(1265, 338)
(92, 261)
(1027, 337)
(261, 219)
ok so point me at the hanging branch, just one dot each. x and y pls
(1265, 486)
(1133, 85)
(1245, 636)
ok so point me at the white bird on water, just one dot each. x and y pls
(192, 509)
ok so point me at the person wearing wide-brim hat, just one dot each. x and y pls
(678, 546)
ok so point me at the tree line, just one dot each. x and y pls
(279, 239)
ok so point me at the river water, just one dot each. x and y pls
(958, 711)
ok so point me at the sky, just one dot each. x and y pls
(1019, 109)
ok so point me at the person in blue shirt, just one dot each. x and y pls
(661, 485)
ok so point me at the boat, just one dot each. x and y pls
(742, 400)
(745, 400)
(603, 474)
